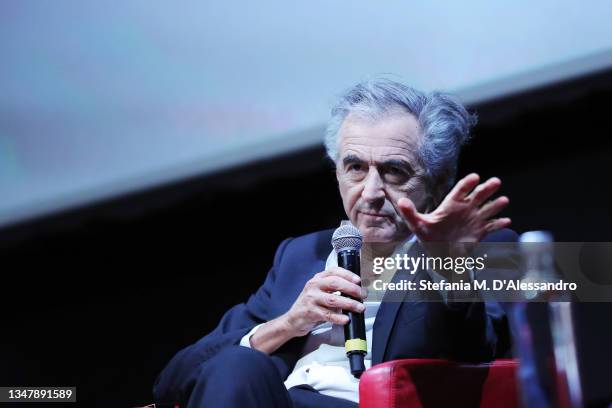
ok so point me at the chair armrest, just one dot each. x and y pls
(418, 383)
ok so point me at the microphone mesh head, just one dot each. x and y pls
(346, 237)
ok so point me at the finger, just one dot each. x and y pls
(464, 186)
(336, 283)
(327, 315)
(331, 301)
(409, 212)
(340, 272)
(485, 190)
(497, 224)
(494, 207)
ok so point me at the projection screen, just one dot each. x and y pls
(98, 99)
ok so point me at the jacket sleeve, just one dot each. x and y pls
(175, 382)
(482, 334)
(485, 333)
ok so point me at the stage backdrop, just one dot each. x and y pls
(98, 99)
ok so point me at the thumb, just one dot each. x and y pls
(409, 211)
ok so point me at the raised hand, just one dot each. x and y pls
(464, 215)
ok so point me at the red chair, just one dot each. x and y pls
(424, 383)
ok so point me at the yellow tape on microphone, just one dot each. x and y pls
(356, 345)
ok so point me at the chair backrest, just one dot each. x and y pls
(417, 383)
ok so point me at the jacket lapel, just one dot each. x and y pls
(390, 306)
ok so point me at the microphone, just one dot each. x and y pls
(347, 242)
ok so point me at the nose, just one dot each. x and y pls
(373, 189)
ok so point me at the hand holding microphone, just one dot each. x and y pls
(317, 303)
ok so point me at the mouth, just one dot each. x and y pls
(374, 215)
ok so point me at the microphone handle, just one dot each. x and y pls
(354, 330)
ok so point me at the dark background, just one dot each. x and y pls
(102, 297)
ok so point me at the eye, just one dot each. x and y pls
(355, 167)
(396, 175)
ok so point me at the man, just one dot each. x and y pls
(395, 151)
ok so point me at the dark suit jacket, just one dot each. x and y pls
(470, 331)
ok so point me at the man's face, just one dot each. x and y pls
(377, 166)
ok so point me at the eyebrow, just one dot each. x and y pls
(403, 164)
(353, 159)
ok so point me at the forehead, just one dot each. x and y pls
(395, 134)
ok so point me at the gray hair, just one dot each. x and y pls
(444, 122)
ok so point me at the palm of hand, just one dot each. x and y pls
(463, 215)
